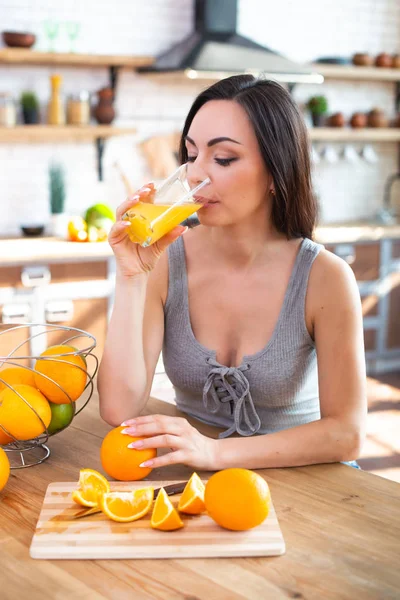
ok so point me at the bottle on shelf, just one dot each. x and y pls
(8, 113)
(56, 109)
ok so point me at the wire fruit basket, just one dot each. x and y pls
(37, 362)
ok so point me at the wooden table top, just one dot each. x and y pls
(341, 527)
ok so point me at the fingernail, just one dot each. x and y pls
(184, 231)
(135, 197)
(148, 463)
(137, 444)
(145, 189)
(129, 431)
(128, 422)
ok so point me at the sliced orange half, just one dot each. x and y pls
(192, 500)
(165, 516)
(125, 507)
(92, 485)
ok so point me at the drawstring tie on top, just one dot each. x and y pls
(229, 384)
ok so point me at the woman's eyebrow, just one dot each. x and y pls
(213, 141)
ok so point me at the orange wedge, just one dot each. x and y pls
(165, 517)
(92, 485)
(125, 507)
(192, 500)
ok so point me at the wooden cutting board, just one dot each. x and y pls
(58, 535)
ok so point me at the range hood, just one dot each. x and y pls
(215, 50)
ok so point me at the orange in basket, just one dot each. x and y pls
(24, 418)
(68, 371)
(13, 375)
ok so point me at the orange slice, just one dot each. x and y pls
(92, 485)
(125, 507)
(165, 517)
(192, 500)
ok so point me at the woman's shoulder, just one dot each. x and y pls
(331, 280)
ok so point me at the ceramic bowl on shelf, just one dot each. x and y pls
(19, 39)
(32, 230)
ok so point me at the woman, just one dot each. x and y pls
(243, 306)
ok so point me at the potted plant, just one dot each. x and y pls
(57, 201)
(318, 107)
(30, 108)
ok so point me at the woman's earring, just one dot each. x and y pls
(272, 192)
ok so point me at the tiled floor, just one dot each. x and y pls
(381, 452)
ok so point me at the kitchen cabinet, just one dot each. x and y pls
(73, 294)
(376, 266)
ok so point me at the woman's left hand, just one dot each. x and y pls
(188, 446)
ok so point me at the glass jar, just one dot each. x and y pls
(78, 109)
(8, 112)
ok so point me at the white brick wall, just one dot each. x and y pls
(339, 27)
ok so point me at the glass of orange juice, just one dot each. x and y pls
(173, 202)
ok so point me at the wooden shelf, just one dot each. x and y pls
(354, 73)
(32, 57)
(71, 133)
(54, 133)
(346, 134)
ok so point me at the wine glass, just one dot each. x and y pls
(72, 28)
(51, 28)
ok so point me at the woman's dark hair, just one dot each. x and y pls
(283, 141)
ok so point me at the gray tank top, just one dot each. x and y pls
(274, 389)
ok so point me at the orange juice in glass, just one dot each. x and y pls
(173, 203)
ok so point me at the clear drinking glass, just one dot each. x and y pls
(72, 28)
(51, 29)
(173, 203)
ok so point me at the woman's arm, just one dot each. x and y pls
(132, 347)
(136, 329)
(333, 311)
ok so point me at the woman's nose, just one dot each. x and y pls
(196, 173)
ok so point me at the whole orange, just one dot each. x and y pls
(4, 469)
(4, 438)
(14, 375)
(237, 499)
(17, 416)
(65, 370)
(122, 462)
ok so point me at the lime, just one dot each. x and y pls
(98, 213)
(61, 416)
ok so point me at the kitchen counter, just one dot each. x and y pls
(340, 525)
(25, 250)
(350, 233)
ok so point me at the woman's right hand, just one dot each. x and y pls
(131, 258)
